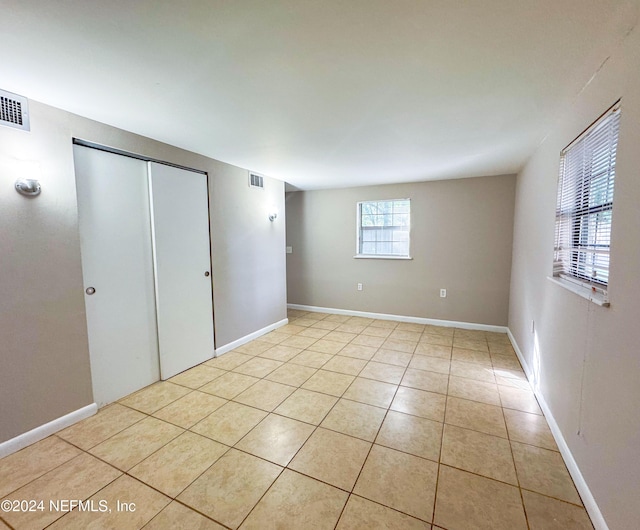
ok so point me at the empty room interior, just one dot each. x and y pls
(337, 265)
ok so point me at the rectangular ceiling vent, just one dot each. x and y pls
(14, 110)
(256, 181)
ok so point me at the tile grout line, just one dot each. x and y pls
(364, 463)
(316, 427)
(189, 508)
(350, 492)
(515, 468)
(444, 419)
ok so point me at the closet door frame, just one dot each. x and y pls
(147, 161)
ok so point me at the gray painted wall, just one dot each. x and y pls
(586, 357)
(461, 236)
(44, 357)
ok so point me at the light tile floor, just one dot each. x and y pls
(329, 422)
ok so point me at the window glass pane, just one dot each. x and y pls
(368, 208)
(401, 219)
(383, 248)
(368, 220)
(601, 190)
(401, 206)
(368, 235)
(400, 248)
(368, 248)
(400, 235)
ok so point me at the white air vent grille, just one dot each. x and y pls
(14, 110)
(256, 181)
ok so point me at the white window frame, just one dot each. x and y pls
(582, 239)
(360, 255)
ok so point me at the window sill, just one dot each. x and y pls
(581, 290)
(375, 256)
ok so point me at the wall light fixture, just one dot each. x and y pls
(28, 187)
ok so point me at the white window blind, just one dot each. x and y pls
(585, 203)
(383, 228)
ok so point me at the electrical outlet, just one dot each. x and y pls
(443, 293)
(289, 250)
(359, 287)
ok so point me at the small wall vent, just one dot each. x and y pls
(256, 181)
(14, 111)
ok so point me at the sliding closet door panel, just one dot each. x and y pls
(115, 236)
(182, 259)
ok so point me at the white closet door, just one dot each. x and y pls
(115, 235)
(182, 261)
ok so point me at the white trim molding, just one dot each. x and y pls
(598, 297)
(588, 500)
(379, 256)
(400, 318)
(39, 433)
(251, 336)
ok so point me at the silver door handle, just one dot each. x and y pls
(90, 290)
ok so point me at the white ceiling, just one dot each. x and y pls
(319, 93)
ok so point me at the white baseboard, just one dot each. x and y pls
(39, 433)
(400, 318)
(248, 338)
(523, 362)
(589, 501)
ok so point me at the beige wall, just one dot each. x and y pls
(461, 235)
(44, 358)
(587, 357)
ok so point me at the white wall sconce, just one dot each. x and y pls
(28, 187)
